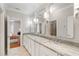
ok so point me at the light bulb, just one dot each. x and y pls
(35, 20)
(46, 15)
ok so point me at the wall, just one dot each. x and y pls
(26, 28)
(14, 27)
(2, 34)
(76, 21)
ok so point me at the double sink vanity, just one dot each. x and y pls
(38, 45)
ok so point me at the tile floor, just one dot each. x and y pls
(19, 51)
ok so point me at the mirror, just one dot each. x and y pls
(59, 23)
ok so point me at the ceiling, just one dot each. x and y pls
(26, 8)
(30, 8)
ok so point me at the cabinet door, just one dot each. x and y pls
(50, 52)
(26, 42)
(32, 47)
(37, 49)
(42, 51)
(29, 45)
(25, 39)
(46, 52)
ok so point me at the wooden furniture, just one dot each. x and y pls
(14, 41)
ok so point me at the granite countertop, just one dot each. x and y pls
(59, 47)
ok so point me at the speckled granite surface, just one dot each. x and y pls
(60, 47)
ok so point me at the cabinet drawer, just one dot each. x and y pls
(46, 52)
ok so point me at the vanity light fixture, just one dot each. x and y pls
(35, 20)
(46, 15)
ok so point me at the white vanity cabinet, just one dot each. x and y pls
(37, 49)
(26, 43)
(29, 45)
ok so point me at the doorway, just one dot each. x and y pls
(13, 33)
(53, 28)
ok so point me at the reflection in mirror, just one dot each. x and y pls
(13, 27)
(53, 28)
(40, 28)
(56, 20)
